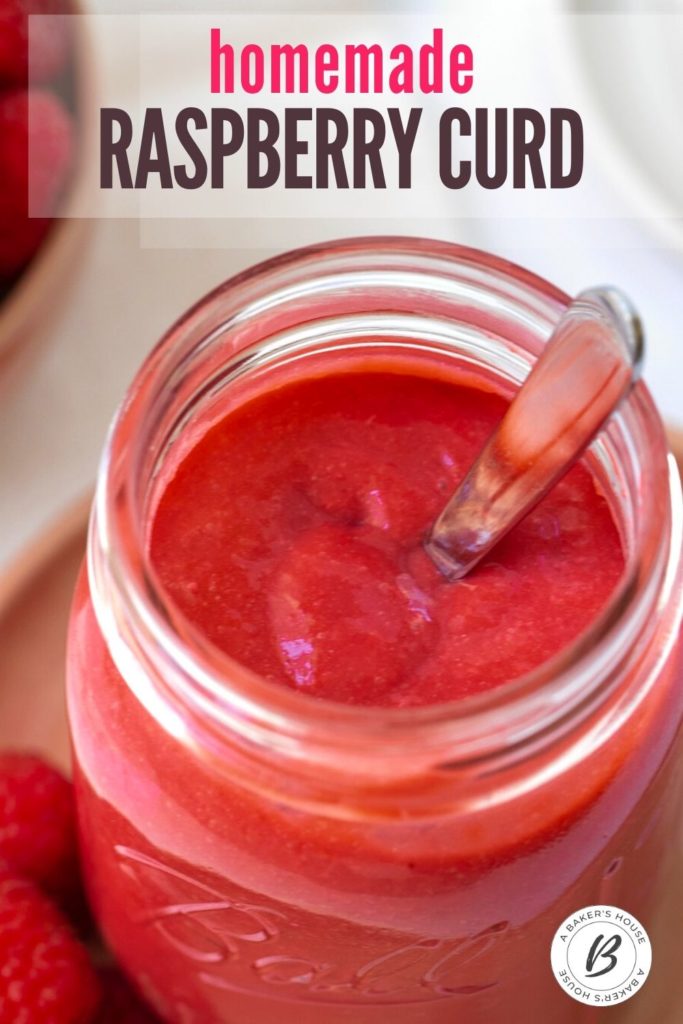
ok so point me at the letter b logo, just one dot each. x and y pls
(602, 954)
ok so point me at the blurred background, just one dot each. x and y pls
(105, 296)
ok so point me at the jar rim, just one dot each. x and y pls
(130, 602)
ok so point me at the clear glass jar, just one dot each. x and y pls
(255, 857)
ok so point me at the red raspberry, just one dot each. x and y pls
(37, 823)
(47, 135)
(45, 974)
(49, 42)
(120, 1003)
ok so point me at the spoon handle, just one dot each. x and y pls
(588, 366)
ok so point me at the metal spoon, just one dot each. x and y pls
(588, 366)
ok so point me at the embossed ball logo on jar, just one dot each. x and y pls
(601, 955)
(238, 946)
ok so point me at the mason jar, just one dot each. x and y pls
(254, 857)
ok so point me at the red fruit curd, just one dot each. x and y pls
(316, 782)
(291, 536)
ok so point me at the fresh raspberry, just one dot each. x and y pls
(45, 974)
(35, 123)
(37, 824)
(120, 1002)
(49, 42)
